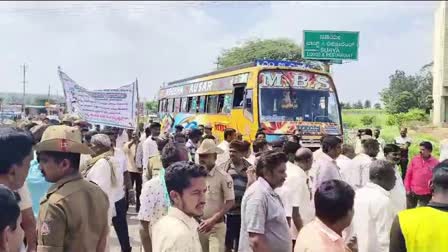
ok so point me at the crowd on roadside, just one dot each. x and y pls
(73, 183)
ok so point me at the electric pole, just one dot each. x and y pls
(48, 97)
(24, 66)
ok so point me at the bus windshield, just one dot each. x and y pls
(289, 104)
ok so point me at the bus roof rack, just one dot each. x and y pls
(227, 69)
(306, 64)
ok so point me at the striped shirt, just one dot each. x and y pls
(239, 177)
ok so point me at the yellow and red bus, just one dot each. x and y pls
(279, 96)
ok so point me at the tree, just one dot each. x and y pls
(348, 105)
(358, 105)
(425, 89)
(275, 49)
(417, 91)
(404, 102)
(377, 105)
(151, 107)
(367, 104)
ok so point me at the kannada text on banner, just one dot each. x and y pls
(110, 107)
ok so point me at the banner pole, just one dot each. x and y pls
(138, 104)
(63, 88)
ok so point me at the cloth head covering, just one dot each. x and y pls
(101, 139)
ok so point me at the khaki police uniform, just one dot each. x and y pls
(72, 216)
(219, 190)
(73, 213)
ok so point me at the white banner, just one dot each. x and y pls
(110, 107)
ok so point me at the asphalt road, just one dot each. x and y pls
(134, 236)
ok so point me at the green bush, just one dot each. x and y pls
(415, 115)
(414, 149)
(391, 120)
(367, 120)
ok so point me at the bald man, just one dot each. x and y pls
(344, 161)
(374, 210)
(304, 160)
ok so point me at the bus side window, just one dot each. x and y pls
(170, 105)
(160, 106)
(238, 96)
(184, 104)
(224, 103)
(165, 105)
(201, 104)
(212, 104)
(192, 104)
(248, 110)
(248, 100)
(177, 105)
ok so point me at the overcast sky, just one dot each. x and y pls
(110, 44)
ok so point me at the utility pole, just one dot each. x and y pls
(24, 66)
(48, 97)
(217, 63)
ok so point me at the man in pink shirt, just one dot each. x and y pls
(419, 175)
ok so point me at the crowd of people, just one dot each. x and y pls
(63, 187)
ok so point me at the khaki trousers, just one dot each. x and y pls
(214, 240)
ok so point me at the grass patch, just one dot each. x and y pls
(352, 121)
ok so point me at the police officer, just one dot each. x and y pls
(73, 213)
(220, 198)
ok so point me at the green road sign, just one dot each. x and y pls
(330, 45)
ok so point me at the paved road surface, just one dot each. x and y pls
(134, 236)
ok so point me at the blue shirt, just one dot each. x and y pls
(37, 185)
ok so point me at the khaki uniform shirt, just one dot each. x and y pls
(154, 166)
(219, 190)
(72, 216)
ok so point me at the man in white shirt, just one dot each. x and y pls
(358, 145)
(193, 143)
(294, 192)
(229, 136)
(301, 195)
(135, 174)
(404, 142)
(292, 189)
(177, 231)
(398, 193)
(141, 132)
(150, 145)
(345, 160)
(304, 159)
(105, 170)
(376, 136)
(374, 213)
(122, 137)
(325, 166)
(139, 153)
(357, 175)
(318, 153)
(120, 196)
